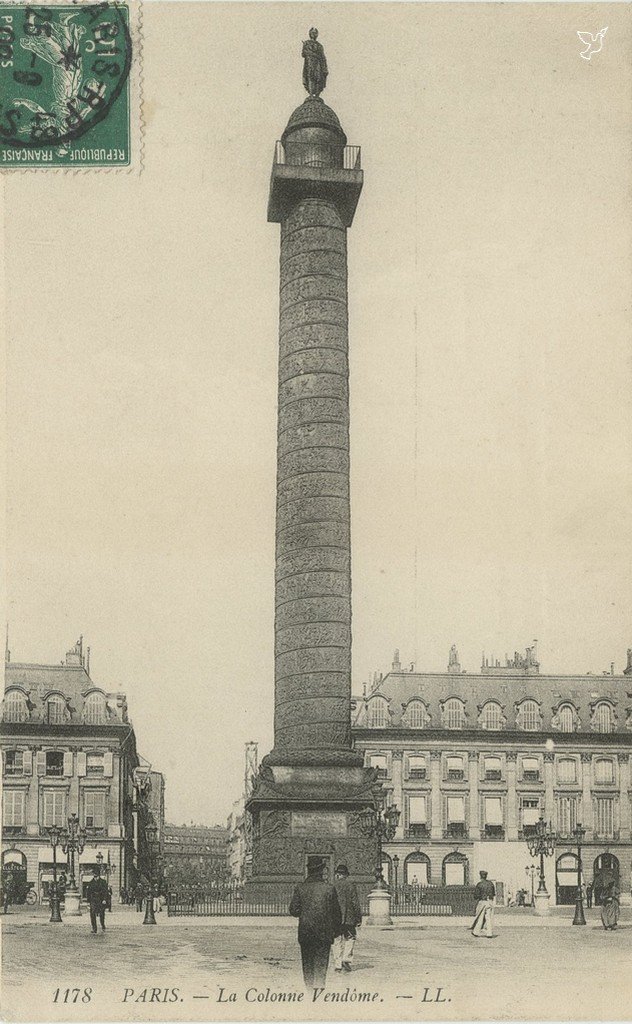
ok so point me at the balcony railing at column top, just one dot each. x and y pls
(317, 154)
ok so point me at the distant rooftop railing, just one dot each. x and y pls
(317, 154)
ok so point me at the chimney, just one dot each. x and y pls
(397, 665)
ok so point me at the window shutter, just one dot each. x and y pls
(40, 763)
(108, 768)
(68, 762)
(27, 762)
(81, 762)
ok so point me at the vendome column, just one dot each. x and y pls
(312, 786)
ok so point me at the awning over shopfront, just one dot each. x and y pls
(89, 855)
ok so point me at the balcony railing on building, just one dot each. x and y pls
(417, 831)
(318, 154)
(531, 776)
(494, 775)
(417, 773)
(493, 832)
(455, 830)
(455, 775)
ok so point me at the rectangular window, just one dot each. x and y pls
(54, 763)
(417, 810)
(493, 769)
(567, 771)
(605, 817)
(94, 809)
(566, 815)
(380, 762)
(14, 762)
(416, 767)
(54, 807)
(530, 813)
(94, 764)
(456, 810)
(604, 771)
(454, 766)
(530, 769)
(493, 811)
(13, 808)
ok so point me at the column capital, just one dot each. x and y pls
(435, 755)
(549, 757)
(473, 755)
(623, 758)
(586, 758)
(511, 756)
(397, 755)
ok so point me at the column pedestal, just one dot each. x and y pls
(541, 904)
(72, 903)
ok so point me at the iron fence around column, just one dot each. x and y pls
(406, 901)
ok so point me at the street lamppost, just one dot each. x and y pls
(150, 833)
(380, 821)
(578, 835)
(530, 871)
(395, 873)
(541, 844)
(73, 841)
(54, 834)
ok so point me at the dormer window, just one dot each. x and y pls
(415, 714)
(56, 710)
(529, 717)
(94, 710)
(16, 707)
(566, 718)
(492, 716)
(378, 713)
(602, 717)
(453, 713)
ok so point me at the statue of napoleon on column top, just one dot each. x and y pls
(315, 65)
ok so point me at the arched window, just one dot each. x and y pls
(16, 707)
(417, 869)
(602, 717)
(492, 716)
(604, 771)
(455, 869)
(56, 710)
(529, 715)
(566, 718)
(94, 709)
(415, 714)
(454, 714)
(378, 713)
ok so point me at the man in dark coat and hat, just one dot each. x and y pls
(98, 898)
(351, 918)
(315, 903)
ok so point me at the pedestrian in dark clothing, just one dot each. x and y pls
(351, 918)
(485, 891)
(138, 896)
(316, 905)
(97, 896)
(589, 895)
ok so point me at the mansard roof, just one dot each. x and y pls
(38, 682)
(549, 691)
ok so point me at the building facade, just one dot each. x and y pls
(68, 747)
(195, 855)
(472, 762)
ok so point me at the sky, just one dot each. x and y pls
(489, 282)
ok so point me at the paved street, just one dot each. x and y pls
(531, 970)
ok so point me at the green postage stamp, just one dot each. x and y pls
(65, 73)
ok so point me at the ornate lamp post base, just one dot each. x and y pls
(55, 913)
(541, 902)
(379, 907)
(73, 903)
(579, 912)
(150, 917)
